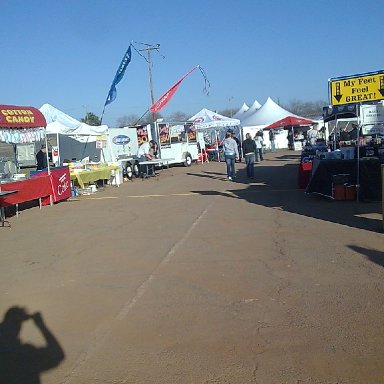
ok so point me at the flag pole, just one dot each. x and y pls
(102, 115)
(141, 116)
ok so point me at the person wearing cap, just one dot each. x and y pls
(41, 158)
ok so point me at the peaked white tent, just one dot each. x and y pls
(239, 113)
(59, 122)
(251, 110)
(267, 114)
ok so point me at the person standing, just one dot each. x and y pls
(312, 135)
(249, 150)
(41, 158)
(272, 140)
(259, 147)
(290, 139)
(231, 154)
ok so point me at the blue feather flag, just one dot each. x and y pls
(119, 75)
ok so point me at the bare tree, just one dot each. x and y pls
(178, 116)
(126, 121)
(309, 109)
(226, 112)
(131, 120)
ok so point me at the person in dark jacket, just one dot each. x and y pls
(41, 158)
(249, 152)
(291, 139)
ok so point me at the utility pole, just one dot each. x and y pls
(148, 49)
(230, 104)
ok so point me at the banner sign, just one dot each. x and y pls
(12, 116)
(372, 119)
(164, 136)
(354, 89)
(60, 181)
(142, 135)
(190, 130)
(372, 114)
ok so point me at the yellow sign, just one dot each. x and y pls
(357, 89)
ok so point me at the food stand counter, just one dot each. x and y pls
(89, 175)
(34, 188)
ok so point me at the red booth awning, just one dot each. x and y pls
(290, 121)
(13, 116)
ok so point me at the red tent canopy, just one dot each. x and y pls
(13, 116)
(290, 121)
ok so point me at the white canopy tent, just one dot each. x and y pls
(209, 122)
(209, 119)
(59, 123)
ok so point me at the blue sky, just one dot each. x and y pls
(66, 52)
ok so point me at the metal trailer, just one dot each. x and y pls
(177, 142)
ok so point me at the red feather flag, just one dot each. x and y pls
(158, 105)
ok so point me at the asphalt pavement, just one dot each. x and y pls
(189, 278)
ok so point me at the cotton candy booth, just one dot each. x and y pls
(25, 124)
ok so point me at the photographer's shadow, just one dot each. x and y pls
(22, 363)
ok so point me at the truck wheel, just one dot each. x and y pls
(188, 160)
(129, 171)
(136, 169)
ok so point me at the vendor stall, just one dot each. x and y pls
(337, 179)
(22, 125)
(294, 125)
(350, 169)
(80, 147)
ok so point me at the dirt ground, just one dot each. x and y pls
(189, 278)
